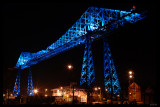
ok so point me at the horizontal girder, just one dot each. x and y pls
(95, 20)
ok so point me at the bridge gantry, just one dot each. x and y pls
(93, 24)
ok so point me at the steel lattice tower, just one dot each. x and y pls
(110, 76)
(87, 73)
(16, 90)
(30, 84)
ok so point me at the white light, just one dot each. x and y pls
(70, 67)
(130, 76)
(35, 91)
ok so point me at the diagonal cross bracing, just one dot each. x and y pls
(97, 20)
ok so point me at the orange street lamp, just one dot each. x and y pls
(95, 89)
(70, 66)
(35, 91)
(130, 72)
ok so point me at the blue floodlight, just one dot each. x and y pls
(99, 21)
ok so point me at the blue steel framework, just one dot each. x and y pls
(97, 20)
(87, 73)
(109, 70)
(30, 84)
(16, 90)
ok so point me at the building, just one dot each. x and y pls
(134, 93)
(65, 94)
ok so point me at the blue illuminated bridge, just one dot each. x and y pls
(92, 25)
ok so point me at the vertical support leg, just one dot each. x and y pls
(111, 80)
(30, 84)
(16, 90)
(87, 73)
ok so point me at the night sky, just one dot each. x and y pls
(31, 27)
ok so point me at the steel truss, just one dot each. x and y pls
(111, 80)
(16, 90)
(96, 20)
(30, 91)
(88, 73)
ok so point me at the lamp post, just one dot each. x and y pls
(96, 89)
(70, 67)
(131, 77)
(99, 88)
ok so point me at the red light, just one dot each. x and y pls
(134, 7)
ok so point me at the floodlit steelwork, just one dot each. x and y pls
(16, 90)
(30, 84)
(87, 73)
(97, 21)
(110, 71)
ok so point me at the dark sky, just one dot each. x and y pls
(31, 27)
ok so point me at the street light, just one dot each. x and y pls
(130, 76)
(130, 72)
(98, 88)
(35, 91)
(46, 90)
(106, 89)
(70, 67)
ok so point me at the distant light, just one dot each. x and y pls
(106, 89)
(130, 76)
(45, 95)
(134, 7)
(35, 91)
(70, 66)
(130, 72)
(61, 88)
(95, 89)
(46, 89)
(99, 88)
